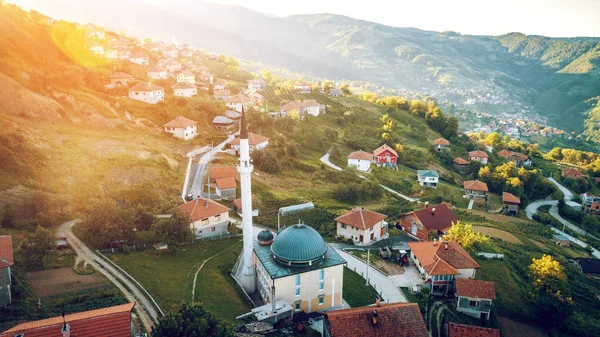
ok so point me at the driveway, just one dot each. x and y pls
(196, 190)
(532, 208)
(326, 161)
(145, 309)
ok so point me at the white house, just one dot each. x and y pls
(112, 54)
(256, 142)
(362, 226)
(206, 76)
(335, 92)
(121, 79)
(139, 58)
(258, 84)
(147, 93)
(156, 74)
(302, 87)
(235, 102)
(220, 85)
(208, 218)
(223, 123)
(184, 90)
(221, 95)
(301, 108)
(428, 178)
(479, 156)
(182, 127)
(186, 76)
(97, 49)
(361, 160)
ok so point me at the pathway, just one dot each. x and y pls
(145, 309)
(471, 202)
(202, 265)
(196, 190)
(390, 291)
(568, 194)
(326, 161)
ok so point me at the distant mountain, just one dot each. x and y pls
(555, 77)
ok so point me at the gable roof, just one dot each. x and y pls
(223, 172)
(296, 105)
(361, 218)
(202, 208)
(225, 183)
(509, 197)
(6, 251)
(442, 258)
(384, 148)
(112, 321)
(233, 115)
(146, 86)
(180, 122)
(571, 171)
(186, 73)
(505, 153)
(222, 120)
(239, 99)
(396, 319)
(475, 288)
(463, 330)
(441, 141)
(183, 85)
(478, 154)
(360, 155)
(438, 217)
(475, 185)
(253, 139)
(460, 161)
(428, 173)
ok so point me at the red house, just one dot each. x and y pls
(385, 156)
(420, 222)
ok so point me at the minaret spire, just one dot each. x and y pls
(243, 124)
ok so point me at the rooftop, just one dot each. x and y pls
(225, 183)
(180, 122)
(438, 217)
(511, 198)
(442, 258)
(463, 330)
(202, 208)
(384, 148)
(396, 319)
(361, 218)
(360, 155)
(6, 251)
(222, 120)
(460, 161)
(441, 141)
(253, 139)
(146, 86)
(475, 185)
(475, 288)
(428, 173)
(222, 172)
(478, 154)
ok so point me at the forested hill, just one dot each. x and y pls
(556, 77)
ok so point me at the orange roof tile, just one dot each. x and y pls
(475, 185)
(223, 172)
(183, 85)
(451, 254)
(360, 155)
(361, 218)
(508, 197)
(505, 153)
(384, 148)
(145, 86)
(180, 122)
(239, 99)
(571, 171)
(202, 208)
(253, 139)
(112, 321)
(6, 251)
(441, 141)
(475, 288)
(225, 183)
(462, 330)
(396, 319)
(478, 154)
(460, 161)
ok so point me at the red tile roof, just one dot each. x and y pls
(441, 141)
(462, 330)
(383, 148)
(361, 218)
(253, 139)
(397, 320)
(296, 105)
(239, 99)
(360, 155)
(478, 154)
(202, 208)
(571, 172)
(180, 122)
(183, 85)
(508, 197)
(475, 288)
(505, 153)
(438, 217)
(6, 251)
(436, 259)
(225, 183)
(112, 321)
(461, 161)
(223, 172)
(146, 86)
(475, 185)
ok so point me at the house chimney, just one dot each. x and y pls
(205, 203)
(426, 204)
(377, 302)
(446, 245)
(434, 242)
(433, 211)
(374, 317)
(66, 329)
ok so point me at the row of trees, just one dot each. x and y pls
(589, 161)
(528, 184)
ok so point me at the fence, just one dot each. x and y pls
(378, 290)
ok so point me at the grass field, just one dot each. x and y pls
(169, 276)
(355, 292)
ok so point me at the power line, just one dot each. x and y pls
(39, 300)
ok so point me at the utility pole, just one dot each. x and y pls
(368, 258)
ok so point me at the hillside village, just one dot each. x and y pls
(391, 212)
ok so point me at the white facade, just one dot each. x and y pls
(185, 92)
(186, 78)
(213, 225)
(186, 133)
(150, 97)
(111, 54)
(220, 87)
(313, 110)
(143, 60)
(362, 165)
(237, 106)
(259, 146)
(362, 236)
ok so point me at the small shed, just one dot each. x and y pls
(561, 240)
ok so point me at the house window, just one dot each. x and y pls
(321, 286)
(321, 300)
(297, 306)
(344, 226)
(205, 221)
(297, 280)
(474, 303)
(321, 274)
(213, 229)
(217, 217)
(297, 292)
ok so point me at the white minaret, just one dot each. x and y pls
(245, 168)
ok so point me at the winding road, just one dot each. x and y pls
(196, 190)
(145, 309)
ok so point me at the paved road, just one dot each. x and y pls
(326, 161)
(533, 207)
(145, 310)
(196, 190)
(403, 196)
(389, 289)
(568, 194)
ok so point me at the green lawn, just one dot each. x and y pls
(355, 292)
(169, 276)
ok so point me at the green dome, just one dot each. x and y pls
(299, 245)
(265, 237)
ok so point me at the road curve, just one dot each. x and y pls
(145, 309)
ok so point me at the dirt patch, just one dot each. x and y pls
(539, 244)
(16, 99)
(63, 281)
(512, 328)
(498, 233)
(498, 217)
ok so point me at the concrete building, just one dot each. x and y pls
(361, 160)
(208, 218)
(182, 127)
(362, 226)
(147, 93)
(428, 178)
(474, 297)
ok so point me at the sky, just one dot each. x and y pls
(555, 18)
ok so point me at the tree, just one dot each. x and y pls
(550, 294)
(36, 246)
(143, 220)
(192, 320)
(109, 222)
(175, 229)
(451, 127)
(464, 234)
(9, 216)
(345, 89)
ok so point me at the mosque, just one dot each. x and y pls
(296, 267)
